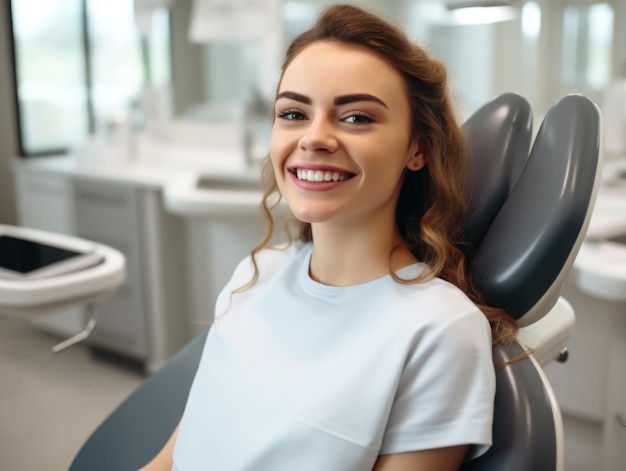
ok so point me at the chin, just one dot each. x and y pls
(311, 211)
(309, 217)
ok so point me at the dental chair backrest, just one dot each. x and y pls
(531, 244)
(502, 127)
(523, 250)
(527, 217)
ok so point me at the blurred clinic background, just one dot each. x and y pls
(140, 125)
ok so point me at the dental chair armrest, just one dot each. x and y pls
(549, 335)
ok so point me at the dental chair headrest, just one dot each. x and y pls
(530, 246)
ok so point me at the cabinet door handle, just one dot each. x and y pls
(620, 418)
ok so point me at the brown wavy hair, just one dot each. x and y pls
(432, 206)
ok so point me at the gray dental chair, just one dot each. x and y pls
(528, 217)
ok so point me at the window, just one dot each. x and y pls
(49, 68)
(116, 57)
(158, 50)
(531, 31)
(76, 63)
(587, 45)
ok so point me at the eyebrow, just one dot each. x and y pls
(294, 96)
(340, 100)
(345, 99)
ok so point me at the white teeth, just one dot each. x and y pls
(319, 176)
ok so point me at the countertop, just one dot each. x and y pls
(174, 171)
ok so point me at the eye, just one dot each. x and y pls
(358, 118)
(290, 115)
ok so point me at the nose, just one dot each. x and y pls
(319, 136)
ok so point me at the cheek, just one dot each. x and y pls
(384, 164)
(281, 146)
(276, 143)
(384, 156)
(274, 149)
(277, 158)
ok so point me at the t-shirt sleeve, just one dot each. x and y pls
(446, 392)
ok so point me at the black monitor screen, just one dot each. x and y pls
(24, 256)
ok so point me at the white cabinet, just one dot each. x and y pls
(146, 319)
(110, 214)
(45, 201)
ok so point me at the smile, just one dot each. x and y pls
(320, 175)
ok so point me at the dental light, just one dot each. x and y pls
(481, 11)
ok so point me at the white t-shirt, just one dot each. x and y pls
(296, 375)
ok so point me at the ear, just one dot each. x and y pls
(416, 158)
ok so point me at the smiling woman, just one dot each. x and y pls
(361, 344)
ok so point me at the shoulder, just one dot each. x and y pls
(455, 325)
(459, 320)
(437, 301)
(437, 318)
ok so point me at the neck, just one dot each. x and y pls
(345, 255)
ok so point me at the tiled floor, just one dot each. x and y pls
(49, 404)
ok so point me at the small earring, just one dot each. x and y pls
(416, 164)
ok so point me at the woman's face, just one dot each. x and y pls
(341, 137)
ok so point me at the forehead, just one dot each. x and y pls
(338, 68)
